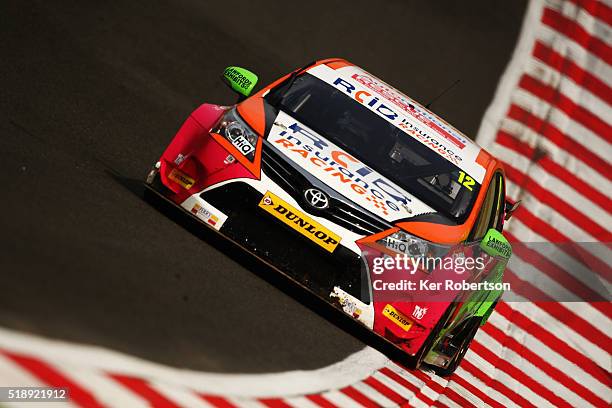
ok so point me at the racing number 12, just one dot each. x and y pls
(466, 181)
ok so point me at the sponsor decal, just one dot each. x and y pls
(350, 308)
(408, 106)
(205, 211)
(404, 113)
(242, 144)
(397, 317)
(179, 159)
(501, 247)
(181, 178)
(299, 221)
(341, 171)
(419, 312)
(204, 214)
(375, 104)
(237, 77)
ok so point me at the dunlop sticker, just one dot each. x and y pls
(397, 317)
(300, 222)
(181, 178)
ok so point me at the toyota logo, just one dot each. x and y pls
(316, 198)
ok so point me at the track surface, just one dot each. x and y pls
(91, 93)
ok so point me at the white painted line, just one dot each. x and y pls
(348, 371)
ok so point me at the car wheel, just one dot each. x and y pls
(420, 355)
(467, 335)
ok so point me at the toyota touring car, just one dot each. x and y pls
(327, 174)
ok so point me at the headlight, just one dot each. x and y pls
(410, 246)
(405, 244)
(240, 135)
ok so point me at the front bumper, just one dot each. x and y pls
(277, 244)
(259, 233)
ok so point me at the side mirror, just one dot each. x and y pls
(495, 244)
(242, 81)
(510, 208)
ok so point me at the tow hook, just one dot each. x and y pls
(153, 173)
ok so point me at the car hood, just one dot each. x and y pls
(342, 172)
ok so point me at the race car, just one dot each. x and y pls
(340, 182)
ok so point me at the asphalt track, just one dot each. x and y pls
(90, 94)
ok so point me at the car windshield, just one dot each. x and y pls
(379, 144)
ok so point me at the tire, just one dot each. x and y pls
(466, 335)
(420, 355)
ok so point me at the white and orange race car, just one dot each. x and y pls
(334, 178)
